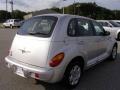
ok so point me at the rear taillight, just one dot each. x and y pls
(37, 76)
(56, 60)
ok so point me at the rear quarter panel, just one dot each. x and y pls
(60, 44)
(70, 50)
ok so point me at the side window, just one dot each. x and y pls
(85, 28)
(10, 21)
(99, 31)
(72, 28)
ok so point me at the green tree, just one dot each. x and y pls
(91, 10)
(17, 14)
(4, 14)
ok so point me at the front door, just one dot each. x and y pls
(101, 39)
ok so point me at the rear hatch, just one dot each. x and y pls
(30, 50)
(31, 44)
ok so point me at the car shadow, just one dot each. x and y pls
(55, 86)
(87, 77)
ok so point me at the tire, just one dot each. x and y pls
(113, 54)
(11, 26)
(72, 75)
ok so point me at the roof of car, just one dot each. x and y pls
(64, 15)
(102, 20)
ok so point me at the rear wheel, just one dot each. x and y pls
(11, 26)
(72, 74)
(113, 55)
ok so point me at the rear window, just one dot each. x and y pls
(38, 26)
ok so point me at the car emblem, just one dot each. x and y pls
(24, 51)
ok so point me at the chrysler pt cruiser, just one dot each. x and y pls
(56, 47)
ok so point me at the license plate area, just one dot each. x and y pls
(19, 71)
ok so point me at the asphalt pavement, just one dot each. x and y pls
(103, 76)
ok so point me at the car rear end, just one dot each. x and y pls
(16, 23)
(28, 55)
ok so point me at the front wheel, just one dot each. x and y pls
(113, 55)
(72, 74)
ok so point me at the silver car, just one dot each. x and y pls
(11, 23)
(112, 27)
(117, 21)
(57, 47)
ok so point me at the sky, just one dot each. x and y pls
(33, 5)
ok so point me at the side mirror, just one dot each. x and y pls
(107, 33)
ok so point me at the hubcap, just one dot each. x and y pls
(75, 75)
(114, 52)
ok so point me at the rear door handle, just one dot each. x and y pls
(97, 40)
(81, 42)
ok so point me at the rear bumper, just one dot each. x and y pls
(16, 25)
(27, 71)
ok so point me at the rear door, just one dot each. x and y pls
(86, 39)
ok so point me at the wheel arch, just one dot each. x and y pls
(77, 59)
